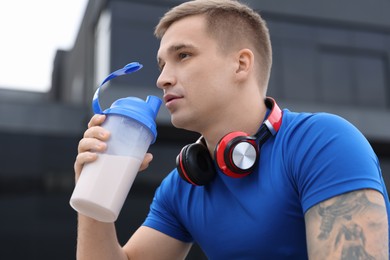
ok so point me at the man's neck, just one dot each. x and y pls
(247, 118)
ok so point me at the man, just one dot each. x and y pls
(313, 189)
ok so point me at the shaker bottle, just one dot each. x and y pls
(104, 184)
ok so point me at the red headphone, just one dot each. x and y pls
(236, 154)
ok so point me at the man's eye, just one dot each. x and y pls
(161, 67)
(183, 55)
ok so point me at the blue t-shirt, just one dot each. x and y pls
(312, 158)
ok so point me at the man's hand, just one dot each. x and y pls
(93, 142)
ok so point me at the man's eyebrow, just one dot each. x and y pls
(178, 47)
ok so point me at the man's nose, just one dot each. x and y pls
(166, 78)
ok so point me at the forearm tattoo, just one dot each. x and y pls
(348, 235)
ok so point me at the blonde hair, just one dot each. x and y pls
(231, 23)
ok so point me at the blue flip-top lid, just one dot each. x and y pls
(145, 112)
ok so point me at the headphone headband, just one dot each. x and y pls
(274, 119)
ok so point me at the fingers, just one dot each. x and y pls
(97, 119)
(145, 163)
(92, 142)
(95, 130)
(81, 159)
(87, 149)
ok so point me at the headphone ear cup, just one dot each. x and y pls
(236, 154)
(195, 165)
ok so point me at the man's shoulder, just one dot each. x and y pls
(309, 120)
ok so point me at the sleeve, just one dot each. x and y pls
(163, 215)
(329, 157)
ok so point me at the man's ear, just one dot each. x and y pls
(245, 63)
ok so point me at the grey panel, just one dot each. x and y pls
(371, 79)
(133, 40)
(299, 72)
(336, 78)
(330, 64)
(355, 77)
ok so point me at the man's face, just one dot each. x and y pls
(195, 75)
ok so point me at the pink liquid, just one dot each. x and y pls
(103, 186)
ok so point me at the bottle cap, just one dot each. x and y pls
(145, 112)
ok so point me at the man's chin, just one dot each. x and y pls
(182, 124)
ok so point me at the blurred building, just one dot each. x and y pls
(328, 56)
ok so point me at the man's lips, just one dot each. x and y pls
(170, 97)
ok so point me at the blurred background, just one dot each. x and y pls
(330, 56)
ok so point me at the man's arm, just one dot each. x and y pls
(98, 240)
(349, 226)
(148, 243)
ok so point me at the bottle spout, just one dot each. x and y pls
(154, 103)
